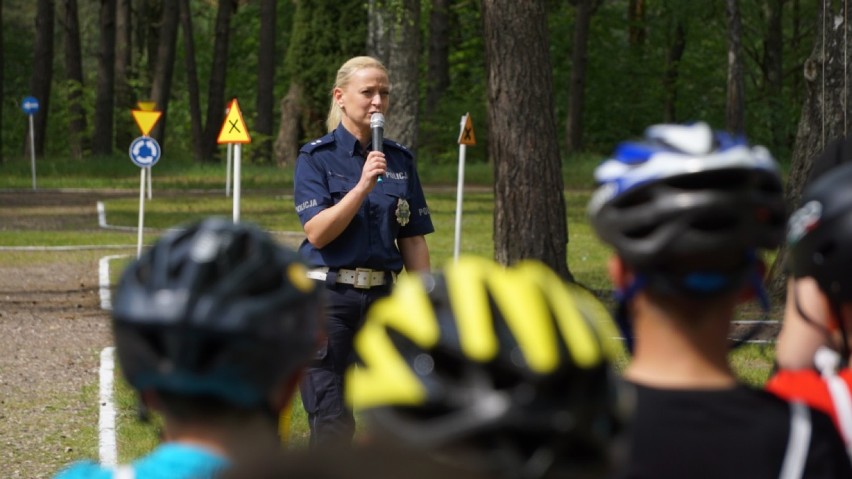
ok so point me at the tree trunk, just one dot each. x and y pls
(161, 87)
(216, 89)
(266, 62)
(125, 127)
(773, 49)
(438, 71)
(579, 60)
(40, 81)
(192, 81)
(287, 142)
(636, 32)
(403, 112)
(824, 116)
(396, 41)
(529, 206)
(735, 104)
(153, 13)
(2, 93)
(675, 53)
(379, 26)
(104, 102)
(74, 73)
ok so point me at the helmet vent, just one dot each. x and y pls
(715, 222)
(717, 180)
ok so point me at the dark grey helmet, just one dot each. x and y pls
(820, 231)
(217, 309)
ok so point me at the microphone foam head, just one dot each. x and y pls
(377, 120)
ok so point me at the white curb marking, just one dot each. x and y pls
(102, 220)
(107, 448)
(103, 280)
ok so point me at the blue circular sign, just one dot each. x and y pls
(144, 151)
(30, 105)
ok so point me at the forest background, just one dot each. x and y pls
(553, 79)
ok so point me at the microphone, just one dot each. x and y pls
(377, 124)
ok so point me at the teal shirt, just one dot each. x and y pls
(168, 461)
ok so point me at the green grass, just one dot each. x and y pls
(180, 172)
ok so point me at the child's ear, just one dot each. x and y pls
(619, 273)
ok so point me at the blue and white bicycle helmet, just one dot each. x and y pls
(216, 310)
(688, 193)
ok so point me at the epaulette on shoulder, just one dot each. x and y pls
(398, 146)
(318, 143)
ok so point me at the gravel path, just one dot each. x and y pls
(51, 333)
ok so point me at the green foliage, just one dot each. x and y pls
(326, 33)
(439, 130)
(624, 87)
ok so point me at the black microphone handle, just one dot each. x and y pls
(378, 135)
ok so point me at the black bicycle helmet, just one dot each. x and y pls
(217, 310)
(819, 234)
(686, 193)
(503, 370)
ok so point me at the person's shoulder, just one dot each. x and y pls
(320, 143)
(84, 470)
(391, 145)
(786, 382)
(827, 456)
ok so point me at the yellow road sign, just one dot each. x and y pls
(466, 136)
(234, 129)
(146, 119)
(146, 105)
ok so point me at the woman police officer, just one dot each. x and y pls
(365, 217)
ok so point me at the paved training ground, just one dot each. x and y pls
(55, 367)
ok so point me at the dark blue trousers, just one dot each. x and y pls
(322, 386)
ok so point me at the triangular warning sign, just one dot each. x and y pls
(466, 136)
(146, 119)
(234, 129)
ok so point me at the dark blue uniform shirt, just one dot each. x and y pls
(327, 169)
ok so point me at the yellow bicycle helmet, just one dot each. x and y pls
(504, 369)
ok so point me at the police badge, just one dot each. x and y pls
(403, 212)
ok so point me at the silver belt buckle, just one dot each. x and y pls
(363, 278)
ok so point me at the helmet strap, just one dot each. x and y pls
(622, 314)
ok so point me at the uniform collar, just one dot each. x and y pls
(348, 141)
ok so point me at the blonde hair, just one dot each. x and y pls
(345, 72)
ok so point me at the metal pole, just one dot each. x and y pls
(237, 154)
(32, 150)
(141, 211)
(230, 151)
(459, 193)
(149, 182)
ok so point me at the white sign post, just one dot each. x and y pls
(234, 131)
(30, 107)
(140, 228)
(144, 153)
(466, 137)
(238, 148)
(150, 190)
(229, 153)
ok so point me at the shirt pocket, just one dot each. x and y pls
(338, 186)
(395, 203)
